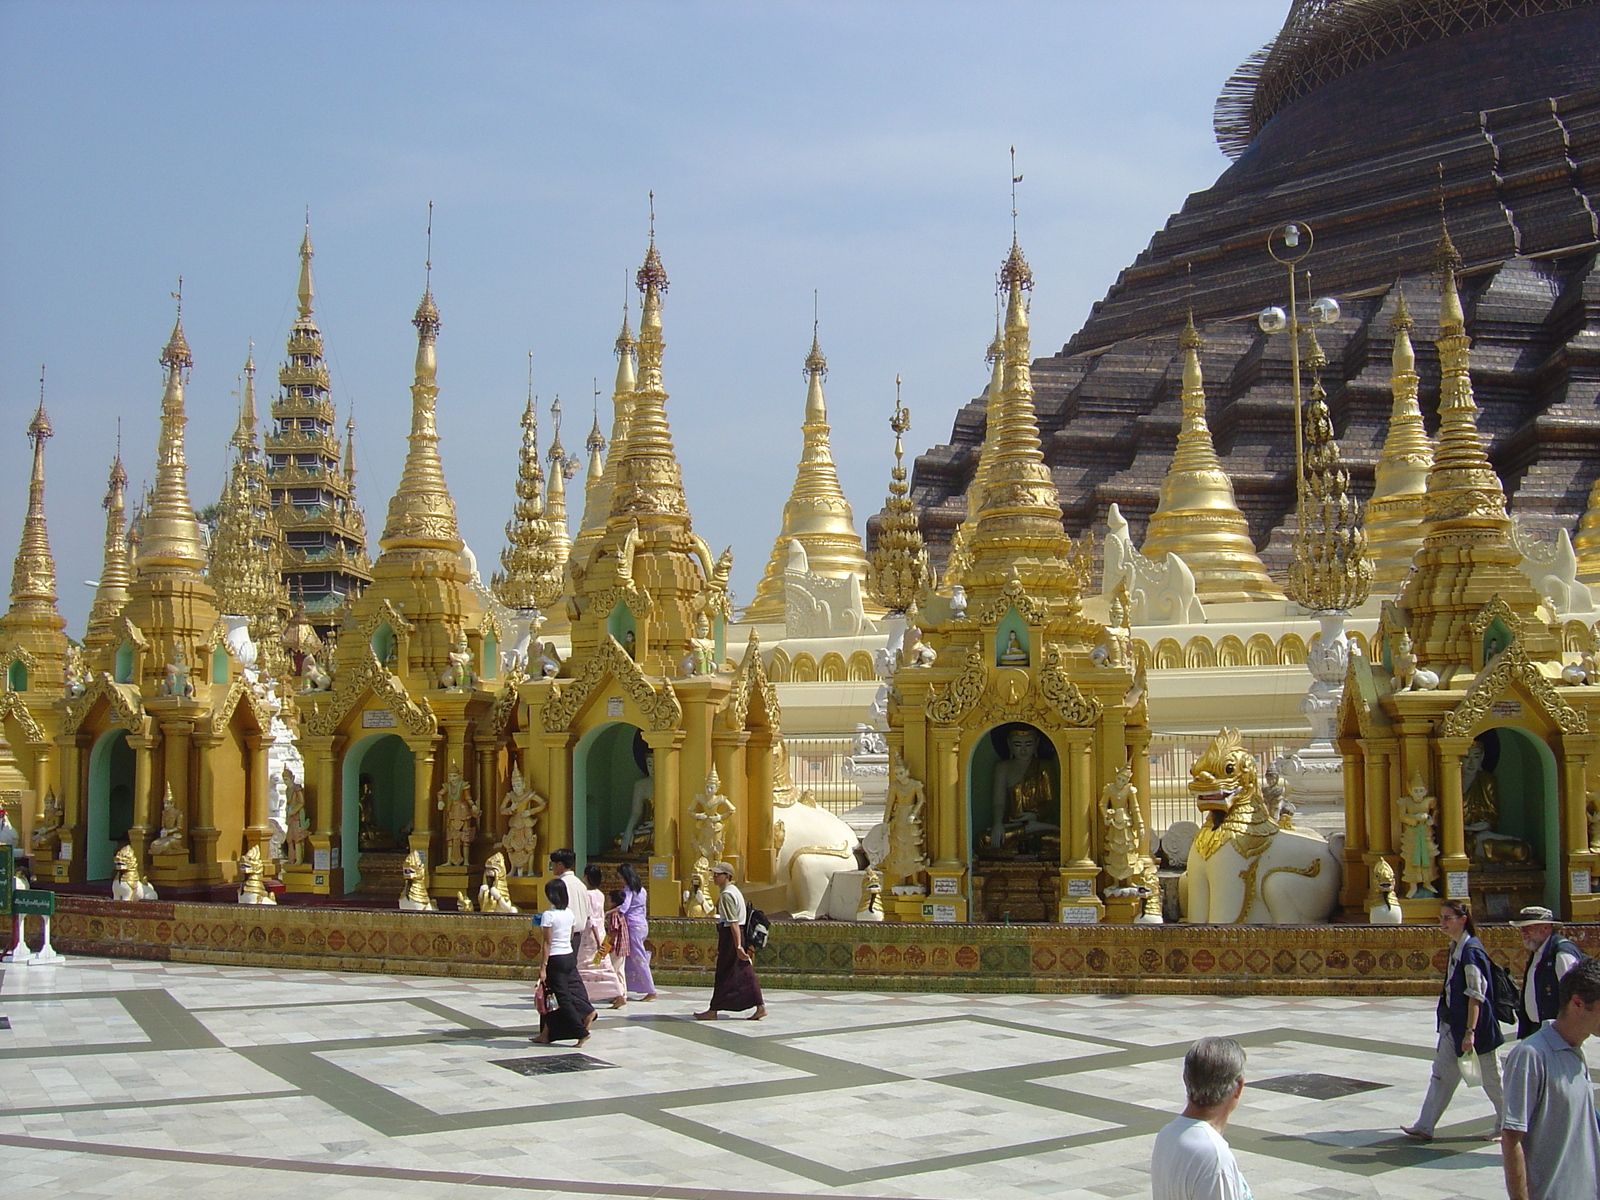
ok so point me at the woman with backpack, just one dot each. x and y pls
(1466, 1021)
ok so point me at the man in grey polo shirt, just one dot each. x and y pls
(1549, 1140)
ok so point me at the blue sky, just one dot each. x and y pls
(858, 149)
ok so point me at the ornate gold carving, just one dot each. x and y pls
(948, 706)
(1069, 704)
(367, 677)
(1228, 769)
(750, 683)
(567, 698)
(127, 709)
(242, 689)
(532, 577)
(897, 568)
(505, 703)
(12, 708)
(1512, 666)
(1012, 595)
(1396, 511)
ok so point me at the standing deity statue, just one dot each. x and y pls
(1124, 822)
(171, 837)
(1023, 794)
(1420, 850)
(902, 816)
(76, 673)
(702, 656)
(522, 806)
(48, 832)
(178, 685)
(710, 813)
(461, 814)
(458, 672)
(372, 836)
(295, 819)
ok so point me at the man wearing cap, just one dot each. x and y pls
(1550, 956)
(735, 988)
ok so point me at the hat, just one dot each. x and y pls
(722, 869)
(1535, 915)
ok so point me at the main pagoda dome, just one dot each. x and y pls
(1354, 119)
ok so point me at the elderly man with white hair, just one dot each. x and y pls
(1550, 957)
(1191, 1161)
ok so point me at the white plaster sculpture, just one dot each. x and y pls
(1242, 868)
(1551, 565)
(1384, 910)
(816, 606)
(1159, 593)
(128, 882)
(812, 842)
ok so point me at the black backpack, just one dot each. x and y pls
(757, 929)
(1503, 994)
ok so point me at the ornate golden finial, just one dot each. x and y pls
(1197, 516)
(1330, 571)
(531, 578)
(960, 557)
(350, 445)
(598, 494)
(305, 292)
(562, 469)
(1466, 557)
(116, 572)
(422, 515)
(649, 480)
(817, 514)
(169, 535)
(897, 568)
(1396, 512)
(245, 545)
(33, 575)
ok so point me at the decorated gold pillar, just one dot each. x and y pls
(1453, 862)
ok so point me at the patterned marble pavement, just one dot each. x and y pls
(142, 1080)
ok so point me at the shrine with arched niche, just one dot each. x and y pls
(379, 771)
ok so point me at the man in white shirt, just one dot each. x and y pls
(1191, 1161)
(1550, 957)
(563, 864)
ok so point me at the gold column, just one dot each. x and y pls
(557, 751)
(487, 790)
(950, 854)
(1377, 800)
(258, 829)
(1358, 813)
(1139, 760)
(672, 834)
(205, 835)
(139, 833)
(176, 764)
(1078, 804)
(1452, 844)
(422, 823)
(761, 862)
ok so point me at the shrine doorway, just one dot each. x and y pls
(1528, 797)
(113, 769)
(380, 771)
(1020, 876)
(607, 764)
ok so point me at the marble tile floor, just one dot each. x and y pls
(141, 1080)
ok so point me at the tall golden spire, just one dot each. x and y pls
(598, 495)
(817, 514)
(593, 515)
(244, 547)
(531, 578)
(1396, 511)
(649, 481)
(169, 534)
(1466, 557)
(422, 516)
(897, 568)
(1197, 516)
(350, 448)
(33, 575)
(1330, 571)
(555, 505)
(1019, 529)
(116, 572)
(960, 556)
(305, 292)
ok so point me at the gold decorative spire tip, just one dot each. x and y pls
(176, 353)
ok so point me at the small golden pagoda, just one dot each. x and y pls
(625, 737)
(165, 745)
(1397, 510)
(33, 654)
(403, 749)
(817, 514)
(1014, 730)
(1197, 517)
(599, 487)
(1587, 540)
(247, 545)
(1466, 760)
(562, 468)
(313, 497)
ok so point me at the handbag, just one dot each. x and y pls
(1471, 1071)
(544, 1002)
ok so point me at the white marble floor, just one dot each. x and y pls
(152, 1080)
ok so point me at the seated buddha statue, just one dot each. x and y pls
(1024, 794)
(1013, 655)
(1480, 813)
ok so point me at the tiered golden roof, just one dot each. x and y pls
(169, 535)
(1330, 571)
(33, 573)
(245, 548)
(531, 578)
(1197, 516)
(1395, 514)
(817, 514)
(897, 568)
(1467, 557)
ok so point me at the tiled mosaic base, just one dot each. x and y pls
(1260, 960)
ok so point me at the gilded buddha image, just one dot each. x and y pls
(1480, 807)
(1024, 799)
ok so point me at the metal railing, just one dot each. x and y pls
(817, 765)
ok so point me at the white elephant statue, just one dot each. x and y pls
(813, 844)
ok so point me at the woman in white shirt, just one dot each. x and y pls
(568, 1013)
